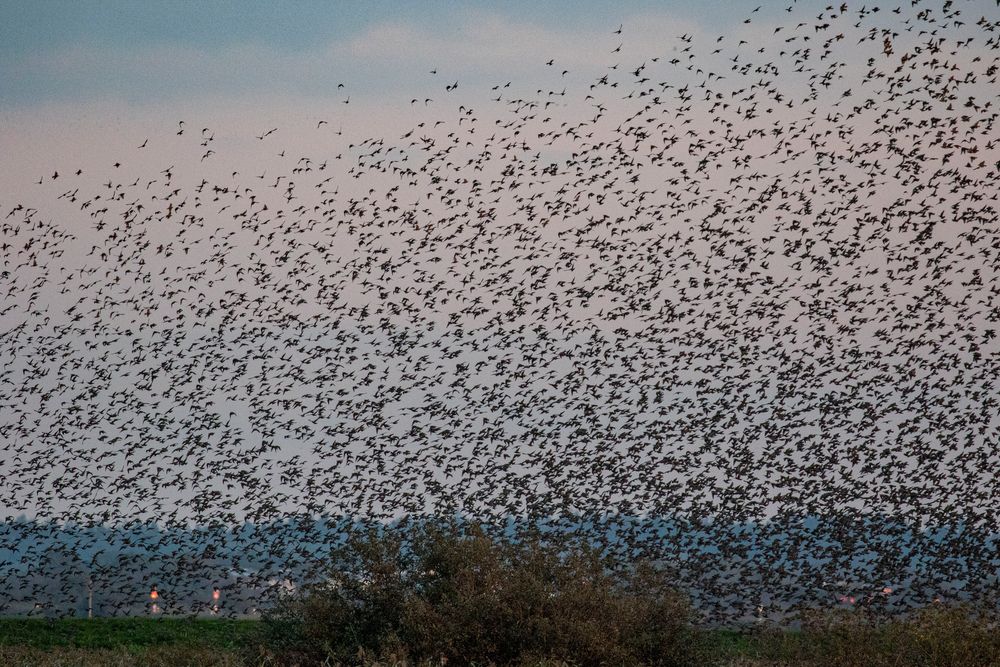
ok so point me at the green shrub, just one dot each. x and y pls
(946, 636)
(934, 636)
(460, 596)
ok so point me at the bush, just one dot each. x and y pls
(951, 635)
(844, 637)
(460, 596)
(354, 612)
(934, 636)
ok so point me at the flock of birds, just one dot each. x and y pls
(726, 282)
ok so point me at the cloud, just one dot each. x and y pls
(482, 42)
(380, 58)
(489, 41)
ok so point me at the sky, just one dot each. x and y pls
(92, 78)
(102, 87)
(138, 53)
(77, 77)
(730, 260)
(86, 82)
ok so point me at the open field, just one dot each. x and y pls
(163, 656)
(177, 642)
(182, 641)
(125, 641)
(127, 633)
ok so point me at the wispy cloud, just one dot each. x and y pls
(381, 57)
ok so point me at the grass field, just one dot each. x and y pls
(127, 633)
(117, 642)
(197, 642)
(124, 642)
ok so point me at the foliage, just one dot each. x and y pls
(458, 595)
(938, 635)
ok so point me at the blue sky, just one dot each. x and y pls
(41, 42)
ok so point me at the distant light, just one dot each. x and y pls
(153, 594)
(215, 593)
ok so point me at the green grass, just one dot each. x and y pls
(176, 642)
(129, 633)
(137, 637)
(150, 656)
(768, 647)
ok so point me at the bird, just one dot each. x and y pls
(726, 309)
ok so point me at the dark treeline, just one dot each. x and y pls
(733, 572)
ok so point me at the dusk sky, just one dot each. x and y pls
(767, 185)
(79, 79)
(709, 263)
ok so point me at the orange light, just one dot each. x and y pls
(153, 594)
(215, 593)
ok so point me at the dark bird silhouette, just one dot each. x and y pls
(729, 309)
